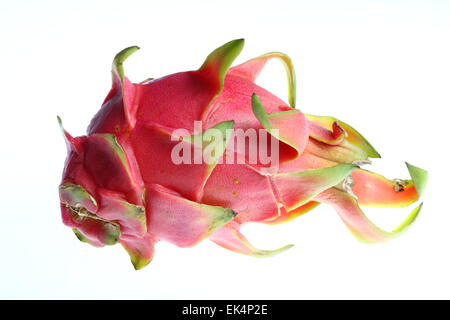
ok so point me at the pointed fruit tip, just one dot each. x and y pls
(259, 111)
(240, 41)
(419, 177)
(139, 264)
(271, 253)
(219, 61)
(124, 53)
(236, 43)
(256, 102)
(376, 154)
(408, 221)
(80, 236)
(61, 126)
(225, 125)
(120, 58)
(136, 259)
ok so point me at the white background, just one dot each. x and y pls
(382, 66)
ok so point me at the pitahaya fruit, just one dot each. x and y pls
(121, 183)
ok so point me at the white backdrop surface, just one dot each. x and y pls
(382, 66)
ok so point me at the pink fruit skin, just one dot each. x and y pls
(121, 185)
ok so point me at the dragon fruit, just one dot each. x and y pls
(122, 184)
